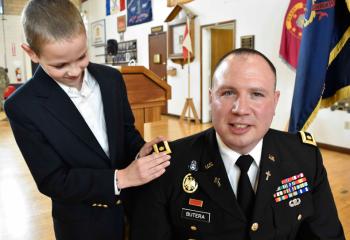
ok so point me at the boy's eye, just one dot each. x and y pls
(82, 57)
(59, 66)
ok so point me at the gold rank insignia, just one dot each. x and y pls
(307, 138)
(189, 184)
(162, 147)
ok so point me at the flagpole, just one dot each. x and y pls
(189, 79)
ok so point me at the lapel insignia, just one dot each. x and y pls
(162, 147)
(189, 183)
(291, 187)
(272, 157)
(208, 165)
(268, 174)
(193, 165)
(307, 138)
(217, 181)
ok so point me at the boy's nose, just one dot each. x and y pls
(74, 70)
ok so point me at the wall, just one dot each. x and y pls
(260, 18)
(10, 28)
(14, 7)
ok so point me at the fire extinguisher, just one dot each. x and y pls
(18, 74)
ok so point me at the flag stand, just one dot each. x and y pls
(189, 105)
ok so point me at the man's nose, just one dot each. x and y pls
(240, 105)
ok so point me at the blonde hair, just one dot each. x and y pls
(46, 21)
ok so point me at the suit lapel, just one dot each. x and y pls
(270, 175)
(62, 108)
(109, 108)
(212, 177)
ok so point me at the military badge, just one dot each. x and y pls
(162, 147)
(217, 181)
(195, 202)
(189, 183)
(193, 165)
(291, 187)
(208, 165)
(272, 157)
(307, 138)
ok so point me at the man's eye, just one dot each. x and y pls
(227, 93)
(258, 94)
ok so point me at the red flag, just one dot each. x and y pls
(186, 44)
(122, 5)
(292, 31)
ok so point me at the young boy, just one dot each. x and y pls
(73, 124)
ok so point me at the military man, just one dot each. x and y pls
(205, 193)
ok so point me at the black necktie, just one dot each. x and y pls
(245, 193)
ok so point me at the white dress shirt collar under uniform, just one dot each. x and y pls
(230, 157)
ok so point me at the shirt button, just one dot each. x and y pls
(254, 227)
(119, 202)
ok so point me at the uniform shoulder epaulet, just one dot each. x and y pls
(307, 138)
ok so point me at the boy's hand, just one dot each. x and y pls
(143, 170)
(148, 146)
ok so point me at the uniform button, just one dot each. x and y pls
(99, 205)
(119, 202)
(193, 228)
(94, 205)
(105, 206)
(299, 217)
(254, 227)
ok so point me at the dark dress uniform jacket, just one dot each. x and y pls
(166, 211)
(66, 160)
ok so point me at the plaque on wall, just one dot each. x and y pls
(247, 41)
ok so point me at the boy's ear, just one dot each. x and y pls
(33, 56)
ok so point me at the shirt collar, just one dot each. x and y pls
(228, 153)
(87, 86)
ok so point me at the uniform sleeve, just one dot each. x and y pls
(150, 216)
(324, 224)
(53, 176)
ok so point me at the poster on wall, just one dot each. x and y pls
(139, 11)
(114, 6)
(121, 24)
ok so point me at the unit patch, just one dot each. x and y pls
(195, 215)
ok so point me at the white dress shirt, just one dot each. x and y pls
(88, 101)
(230, 157)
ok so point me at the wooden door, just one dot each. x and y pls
(158, 57)
(222, 41)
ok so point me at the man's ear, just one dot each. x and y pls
(33, 56)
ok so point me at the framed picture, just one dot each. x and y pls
(178, 37)
(98, 33)
(121, 23)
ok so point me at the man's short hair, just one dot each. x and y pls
(46, 21)
(245, 52)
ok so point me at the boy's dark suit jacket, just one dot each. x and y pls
(66, 160)
(166, 211)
